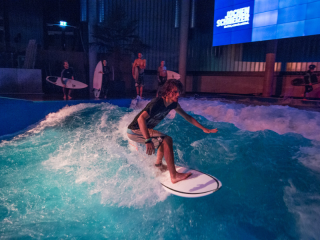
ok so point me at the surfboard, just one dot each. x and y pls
(199, 184)
(172, 75)
(72, 84)
(136, 73)
(97, 79)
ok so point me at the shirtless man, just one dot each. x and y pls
(141, 64)
(141, 128)
(162, 76)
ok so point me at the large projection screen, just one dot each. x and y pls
(240, 21)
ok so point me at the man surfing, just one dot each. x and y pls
(141, 129)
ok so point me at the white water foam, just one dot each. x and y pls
(280, 119)
(120, 176)
(96, 153)
(306, 209)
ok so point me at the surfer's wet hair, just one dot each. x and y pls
(169, 85)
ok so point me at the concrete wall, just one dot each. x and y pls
(24, 81)
(236, 83)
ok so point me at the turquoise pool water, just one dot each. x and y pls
(73, 175)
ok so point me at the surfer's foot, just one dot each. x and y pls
(69, 98)
(180, 176)
(64, 97)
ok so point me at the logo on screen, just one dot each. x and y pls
(234, 18)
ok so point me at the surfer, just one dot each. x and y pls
(162, 76)
(66, 74)
(141, 129)
(141, 64)
(105, 78)
(310, 78)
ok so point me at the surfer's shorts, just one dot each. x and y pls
(140, 80)
(156, 136)
(64, 80)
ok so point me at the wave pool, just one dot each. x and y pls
(74, 176)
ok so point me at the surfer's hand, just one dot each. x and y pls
(206, 130)
(150, 148)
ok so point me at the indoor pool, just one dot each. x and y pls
(74, 176)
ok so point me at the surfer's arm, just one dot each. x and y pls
(191, 120)
(144, 130)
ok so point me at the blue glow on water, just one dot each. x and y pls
(73, 175)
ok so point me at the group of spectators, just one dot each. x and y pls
(138, 67)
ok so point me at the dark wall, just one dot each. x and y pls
(156, 28)
(24, 21)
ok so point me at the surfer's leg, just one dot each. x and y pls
(64, 93)
(169, 157)
(141, 84)
(141, 90)
(137, 87)
(158, 163)
(160, 155)
(69, 95)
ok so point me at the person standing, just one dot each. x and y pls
(66, 75)
(106, 78)
(162, 76)
(139, 80)
(310, 78)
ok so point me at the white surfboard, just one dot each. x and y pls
(198, 184)
(97, 79)
(136, 73)
(72, 84)
(172, 75)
